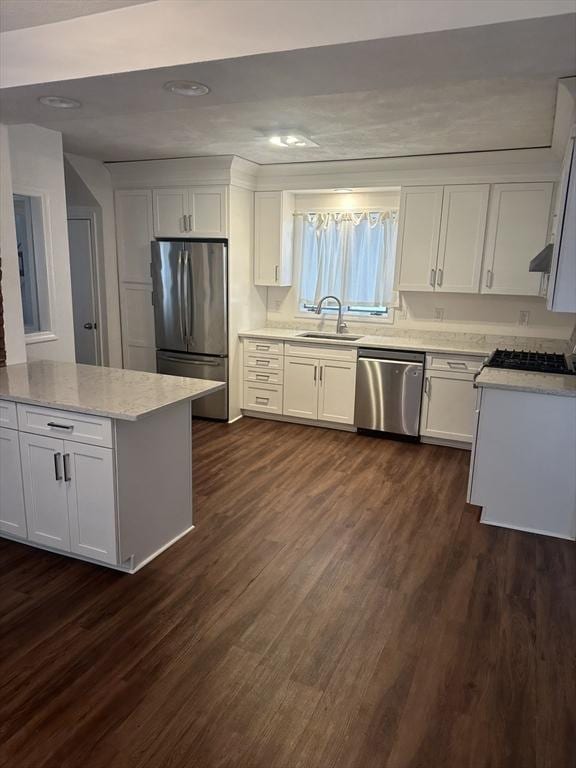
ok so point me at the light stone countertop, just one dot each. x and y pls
(527, 381)
(443, 342)
(110, 392)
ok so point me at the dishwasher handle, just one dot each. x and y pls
(404, 363)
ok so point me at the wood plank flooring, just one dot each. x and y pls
(338, 606)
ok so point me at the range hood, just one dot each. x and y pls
(543, 261)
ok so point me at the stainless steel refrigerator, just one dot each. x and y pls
(190, 297)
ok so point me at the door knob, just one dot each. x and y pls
(89, 326)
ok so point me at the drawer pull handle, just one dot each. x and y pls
(263, 400)
(67, 475)
(262, 377)
(263, 347)
(263, 362)
(456, 364)
(57, 469)
(432, 277)
(59, 426)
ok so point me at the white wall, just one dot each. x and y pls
(461, 312)
(98, 180)
(12, 299)
(38, 169)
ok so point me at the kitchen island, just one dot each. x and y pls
(96, 463)
(523, 465)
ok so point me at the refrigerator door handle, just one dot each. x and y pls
(189, 289)
(179, 289)
(186, 298)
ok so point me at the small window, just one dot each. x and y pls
(32, 263)
(349, 255)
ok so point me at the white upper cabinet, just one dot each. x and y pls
(562, 285)
(134, 233)
(418, 236)
(171, 211)
(190, 211)
(273, 233)
(518, 225)
(464, 210)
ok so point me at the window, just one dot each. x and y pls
(32, 263)
(350, 255)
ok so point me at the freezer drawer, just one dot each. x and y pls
(388, 395)
(213, 406)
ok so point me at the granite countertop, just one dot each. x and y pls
(111, 392)
(526, 381)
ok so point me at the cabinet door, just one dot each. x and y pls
(518, 222)
(418, 235)
(273, 233)
(89, 475)
(134, 233)
(464, 210)
(301, 387)
(448, 406)
(171, 212)
(208, 211)
(45, 490)
(12, 515)
(138, 339)
(336, 393)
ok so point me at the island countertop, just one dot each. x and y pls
(527, 381)
(111, 392)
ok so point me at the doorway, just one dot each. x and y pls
(83, 274)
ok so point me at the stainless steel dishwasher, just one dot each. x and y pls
(389, 391)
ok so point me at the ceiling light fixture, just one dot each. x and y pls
(291, 139)
(186, 88)
(343, 189)
(59, 102)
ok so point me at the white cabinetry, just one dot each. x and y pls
(134, 230)
(190, 211)
(273, 230)
(471, 238)
(562, 285)
(336, 392)
(449, 398)
(301, 388)
(12, 514)
(518, 223)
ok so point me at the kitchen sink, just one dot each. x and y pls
(333, 336)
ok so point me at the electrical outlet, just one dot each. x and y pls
(403, 314)
(438, 313)
(524, 317)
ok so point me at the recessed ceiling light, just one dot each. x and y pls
(59, 102)
(186, 88)
(291, 139)
(343, 189)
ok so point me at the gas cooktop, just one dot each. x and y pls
(540, 362)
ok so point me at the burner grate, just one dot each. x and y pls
(519, 360)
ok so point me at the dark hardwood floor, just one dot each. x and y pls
(338, 605)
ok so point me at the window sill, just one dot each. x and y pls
(40, 337)
(388, 320)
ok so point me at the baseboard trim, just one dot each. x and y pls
(446, 443)
(295, 420)
(526, 529)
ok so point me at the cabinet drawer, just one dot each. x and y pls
(253, 360)
(455, 363)
(263, 397)
(263, 377)
(262, 345)
(8, 414)
(79, 427)
(321, 351)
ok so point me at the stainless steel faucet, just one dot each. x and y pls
(340, 324)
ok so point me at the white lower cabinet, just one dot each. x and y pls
(69, 496)
(301, 387)
(12, 513)
(448, 407)
(318, 389)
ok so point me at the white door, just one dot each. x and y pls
(301, 387)
(336, 393)
(89, 475)
(84, 293)
(418, 235)
(518, 224)
(448, 407)
(12, 514)
(171, 212)
(45, 490)
(462, 231)
(207, 208)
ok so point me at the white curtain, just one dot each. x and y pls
(350, 255)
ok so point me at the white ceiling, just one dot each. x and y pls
(23, 14)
